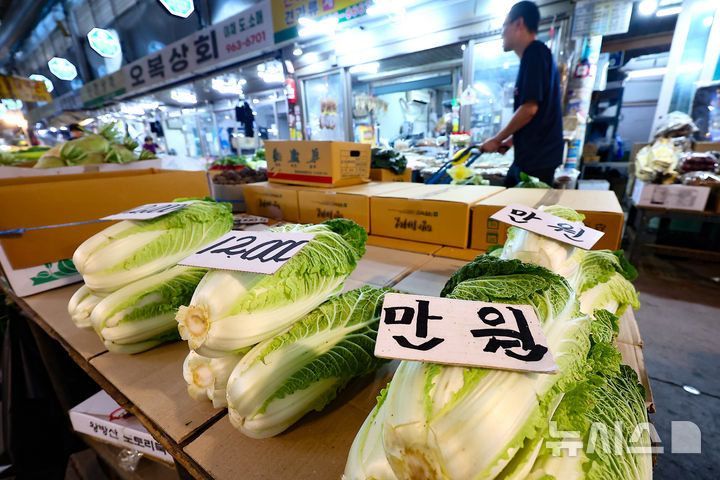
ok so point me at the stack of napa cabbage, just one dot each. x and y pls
(274, 347)
(92, 148)
(133, 285)
(448, 422)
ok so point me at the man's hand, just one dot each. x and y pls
(506, 145)
(491, 145)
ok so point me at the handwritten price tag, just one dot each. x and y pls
(542, 223)
(257, 252)
(146, 212)
(462, 332)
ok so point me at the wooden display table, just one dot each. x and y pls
(201, 440)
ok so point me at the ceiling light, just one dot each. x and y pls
(666, 12)
(371, 67)
(647, 7)
(289, 67)
(42, 78)
(227, 86)
(297, 51)
(15, 118)
(386, 7)
(183, 96)
(326, 26)
(179, 8)
(104, 42)
(62, 68)
(647, 72)
(311, 57)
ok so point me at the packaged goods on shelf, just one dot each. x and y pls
(98, 417)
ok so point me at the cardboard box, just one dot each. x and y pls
(38, 260)
(11, 172)
(601, 209)
(385, 175)
(317, 205)
(272, 200)
(706, 147)
(320, 164)
(399, 244)
(230, 193)
(674, 197)
(428, 213)
(98, 417)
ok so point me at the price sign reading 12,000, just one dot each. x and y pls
(257, 252)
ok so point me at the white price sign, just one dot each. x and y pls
(542, 223)
(146, 212)
(257, 252)
(462, 332)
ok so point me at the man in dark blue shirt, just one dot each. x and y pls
(535, 128)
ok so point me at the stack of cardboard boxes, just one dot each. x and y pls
(452, 217)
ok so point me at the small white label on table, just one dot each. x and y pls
(462, 332)
(542, 223)
(257, 252)
(149, 211)
(250, 219)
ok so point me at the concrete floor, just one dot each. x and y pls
(679, 321)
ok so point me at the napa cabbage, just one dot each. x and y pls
(233, 310)
(287, 376)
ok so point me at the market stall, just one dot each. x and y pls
(201, 439)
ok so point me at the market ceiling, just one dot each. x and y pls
(18, 17)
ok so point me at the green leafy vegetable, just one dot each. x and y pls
(460, 422)
(82, 304)
(389, 159)
(207, 378)
(133, 249)
(285, 377)
(528, 181)
(141, 315)
(233, 310)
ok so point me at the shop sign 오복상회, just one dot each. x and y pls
(247, 32)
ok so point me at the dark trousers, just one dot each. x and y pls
(544, 174)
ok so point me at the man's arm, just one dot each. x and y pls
(520, 118)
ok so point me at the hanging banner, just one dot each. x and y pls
(102, 89)
(247, 32)
(23, 89)
(285, 13)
